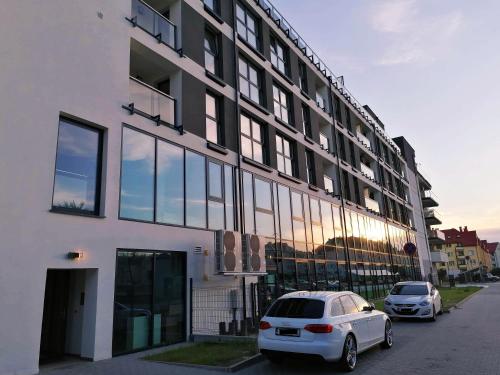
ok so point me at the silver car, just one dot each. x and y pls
(413, 299)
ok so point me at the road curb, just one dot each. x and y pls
(233, 368)
(459, 304)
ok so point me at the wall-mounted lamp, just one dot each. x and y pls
(75, 255)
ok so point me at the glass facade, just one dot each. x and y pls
(309, 245)
(150, 300)
(167, 184)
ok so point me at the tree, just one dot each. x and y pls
(495, 271)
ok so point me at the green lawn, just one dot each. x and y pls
(209, 353)
(450, 296)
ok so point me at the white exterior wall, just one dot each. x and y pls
(419, 223)
(56, 57)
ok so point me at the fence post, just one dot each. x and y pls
(190, 309)
(244, 299)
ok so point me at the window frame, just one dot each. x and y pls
(217, 119)
(215, 8)
(306, 120)
(215, 54)
(262, 143)
(310, 167)
(274, 45)
(281, 154)
(248, 82)
(98, 173)
(287, 106)
(256, 21)
(303, 84)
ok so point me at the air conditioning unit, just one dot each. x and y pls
(228, 252)
(254, 254)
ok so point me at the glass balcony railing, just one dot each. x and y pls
(371, 204)
(366, 170)
(436, 234)
(148, 19)
(364, 140)
(151, 101)
(323, 142)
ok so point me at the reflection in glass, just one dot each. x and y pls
(170, 184)
(215, 215)
(77, 163)
(195, 190)
(285, 212)
(215, 180)
(248, 202)
(137, 184)
(229, 196)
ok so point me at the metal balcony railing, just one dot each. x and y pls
(366, 170)
(372, 204)
(338, 82)
(148, 19)
(152, 102)
(364, 140)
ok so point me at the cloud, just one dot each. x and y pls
(410, 35)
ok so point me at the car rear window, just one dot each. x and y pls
(297, 308)
(409, 290)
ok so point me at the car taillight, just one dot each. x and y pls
(319, 328)
(264, 325)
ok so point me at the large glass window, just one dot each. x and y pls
(215, 196)
(252, 139)
(170, 184)
(303, 76)
(150, 300)
(282, 104)
(213, 5)
(137, 180)
(264, 220)
(78, 165)
(284, 154)
(279, 57)
(195, 190)
(310, 169)
(247, 26)
(229, 196)
(212, 118)
(250, 81)
(306, 120)
(285, 213)
(211, 47)
(248, 202)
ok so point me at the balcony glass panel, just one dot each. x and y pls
(323, 141)
(151, 101)
(364, 140)
(372, 204)
(153, 22)
(367, 171)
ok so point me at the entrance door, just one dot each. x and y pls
(55, 308)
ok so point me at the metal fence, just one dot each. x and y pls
(224, 310)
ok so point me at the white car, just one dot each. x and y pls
(413, 299)
(335, 326)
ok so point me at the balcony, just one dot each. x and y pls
(151, 21)
(372, 204)
(432, 217)
(367, 171)
(429, 199)
(439, 257)
(150, 102)
(436, 237)
(364, 140)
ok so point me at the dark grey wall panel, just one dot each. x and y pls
(193, 105)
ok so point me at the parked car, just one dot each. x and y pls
(492, 278)
(334, 326)
(413, 299)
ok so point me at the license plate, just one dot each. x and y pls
(405, 310)
(287, 332)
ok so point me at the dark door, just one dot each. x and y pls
(52, 343)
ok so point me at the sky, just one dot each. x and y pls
(430, 70)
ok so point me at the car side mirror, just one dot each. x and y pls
(370, 307)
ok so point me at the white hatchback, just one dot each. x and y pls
(335, 326)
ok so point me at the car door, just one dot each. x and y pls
(375, 320)
(358, 321)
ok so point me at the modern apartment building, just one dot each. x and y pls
(467, 253)
(133, 133)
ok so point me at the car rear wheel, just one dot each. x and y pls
(387, 344)
(275, 358)
(350, 354)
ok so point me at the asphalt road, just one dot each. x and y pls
(466, 341)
